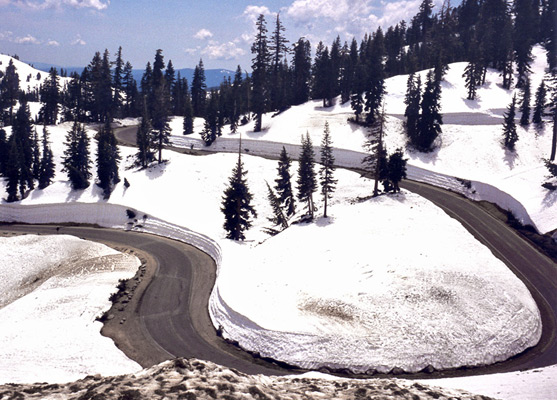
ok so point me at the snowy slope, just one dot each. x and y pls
(52, 289)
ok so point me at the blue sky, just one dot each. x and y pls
(68, 32)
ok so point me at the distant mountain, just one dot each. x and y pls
(213, 77)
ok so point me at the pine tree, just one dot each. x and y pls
(9, 89)
(278, 50)
(301, 71)
(76, 157)
(376, 161)
(22, 133)
(13, 171)
(539, 107)
(188, 112)
(412, 101)
(108, 159)
(50, 97)
(323, 85)
(118, 86)
(326, 171)
(307, 181)
(236, 203)
(260, 69)
(283, 184)
(376, 80)
(396, 169)
(159, 104)
(46, 169)
(525, 102)
(510, 137)
(430, 120)
(4, 152)
(212, 127)
(524, 36)
(36, 154)
(144, 155)
(198, 90)
(278, 218)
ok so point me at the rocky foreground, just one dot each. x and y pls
(195, 379)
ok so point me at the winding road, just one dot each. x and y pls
(172, 314)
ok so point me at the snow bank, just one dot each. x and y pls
(52, 289)
(359, 303)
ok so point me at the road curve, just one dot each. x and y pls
(537, 271)
(173, 315)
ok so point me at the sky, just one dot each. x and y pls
(69, 32)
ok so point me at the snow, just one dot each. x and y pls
(52, 289)
(320, 317)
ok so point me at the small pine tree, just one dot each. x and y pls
(108, 158)
(46, 170)
(510, 137)
(525, 102)
(76, 157)
(412, 111)
(327, 180)
(278, 218)
(396, 169)
(283, 184)
(539, 107)
(236, 204)
(307, 182)
(376, 161)
(144, 155)
(188, 115)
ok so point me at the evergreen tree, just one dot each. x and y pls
(376, 161)
(144, 155)
(188, 111)
(36, 154)
(510, 137)
(376, 80)
(283, 184)
(326, 171)
(9, 89)
(349, 61)
(118, 85)
(301, 71)
(76, 157)
(237, 102)
(211, 128)
(539, 107)
(159, 104)
(278, 50)
(525, 102)
(548, 31)
(236, 203)
(108, 159)
(553, 104)
(50, 97)
(524, 36)
(147, 81)
(430, 120)
(13, 171)
(412, 111)
(396, 169)
(22, 132)
(46, 169)
(260, 69)
(4, 152)
(307, 181)
(198, 90)
(323, 81)
(278, 218)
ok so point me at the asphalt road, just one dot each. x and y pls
(173, 314)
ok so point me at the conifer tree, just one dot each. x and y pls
(13, 171)
(212, 127)
(525, 102)
(524, 36)
(108, 159)
(510, 137)
(307, 182)
(50, 98)
(376, 80)
(117, 85)
(539, 107)
(357, 96)
(76, 160)
(301, 71)
(323, 85)
(159, 104)
(46, 169)
(144, 155)
(188, 113)
(36, 154)
(260, 69)
(236, 203)
(396, 169)
(412, 101)
(430, 120)
(198, 90)
(22, 132)
(9, 89)
(326, 171)
(4, 152)
(278, 218)
(278, 50)
(376, 161)
(283, 184)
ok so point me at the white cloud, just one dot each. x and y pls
(78, 41)
(191, 50)
(52, 43)
(252, 12)
(6, 35)
(223, 51)
(28, 39)
(98, 5)
(203, 34)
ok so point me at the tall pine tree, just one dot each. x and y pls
(283, 184)
(108, 159)
(539, 107)
(510, 136)
(326, 171)
(47, 167)
(260, 69)
(76, 160)
(307, 181)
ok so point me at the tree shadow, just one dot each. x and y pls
(550, 198)
(510, 158)
(156, 171)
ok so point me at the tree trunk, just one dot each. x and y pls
(554, 141)
(325, 207)
(258, 122)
